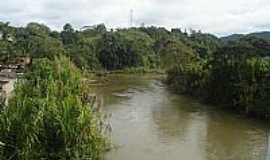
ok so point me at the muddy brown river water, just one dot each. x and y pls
(149, 122)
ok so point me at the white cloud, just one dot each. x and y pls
(216, 16)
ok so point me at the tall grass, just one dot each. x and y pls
(51, 116)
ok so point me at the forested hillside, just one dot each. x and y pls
(96, 48)
(235, 37)
(235, 74)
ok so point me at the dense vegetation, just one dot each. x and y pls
(236, 75)
(96, 48)
(51, 116)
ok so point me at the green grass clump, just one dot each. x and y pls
(51, 116)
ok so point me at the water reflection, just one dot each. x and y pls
(229, 137)
(151, 123)
(181, 126)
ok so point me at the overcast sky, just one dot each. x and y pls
(221, 17)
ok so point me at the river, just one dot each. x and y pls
(149, 122)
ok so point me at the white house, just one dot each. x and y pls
(1, 35)
(7, 82)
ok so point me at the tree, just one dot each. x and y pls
(38, 29)
(5, 29)
(68, 35)
(175, 53)
(101, 28)
(84, 53)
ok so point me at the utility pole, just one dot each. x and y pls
(131, 18)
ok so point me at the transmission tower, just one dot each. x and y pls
(131, 18)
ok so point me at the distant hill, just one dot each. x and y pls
(264, 35)
(235, 37)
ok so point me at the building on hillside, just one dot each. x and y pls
(7, 81)
(10, 38)
(8, 74)
(23, 61)
(1, 35)
(6, 88)
(17, 64)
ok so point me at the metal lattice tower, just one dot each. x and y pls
(131, 18)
